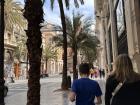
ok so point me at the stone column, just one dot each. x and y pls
(54, 67)
(107, 47)
(132, 8)
(58, 67)
(114, 32)
(104, 62)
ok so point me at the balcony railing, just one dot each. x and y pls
(10, 43)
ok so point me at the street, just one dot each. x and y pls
(17, 94)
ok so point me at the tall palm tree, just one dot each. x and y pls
(49, 53)
(14, 19)
(1, 52)
(79, 37)
(64, 84)
(34, 15)
(61, 7)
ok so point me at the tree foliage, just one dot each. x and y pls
(80, 33)
(79, 37)
(62, 14)
(50, 52)
(13, 15)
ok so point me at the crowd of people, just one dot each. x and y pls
(122, 85)
(97, 73)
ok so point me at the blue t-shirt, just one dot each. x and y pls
(86, 90)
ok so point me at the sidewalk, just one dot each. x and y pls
(49, 95)
(19, 81)
(61, 97)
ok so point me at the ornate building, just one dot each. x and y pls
(117, 25)
(13, 66)
(54, 66)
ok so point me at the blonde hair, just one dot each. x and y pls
(123, 69)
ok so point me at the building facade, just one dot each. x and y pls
(52, 66)
(118, 26)
(15, 54)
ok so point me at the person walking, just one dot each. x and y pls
(123, 84)
(84, 90)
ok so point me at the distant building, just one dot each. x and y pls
(53, 66)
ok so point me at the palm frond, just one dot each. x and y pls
(77, 4)
(50, 52)
(79, 35)
(67, 4)
(58, 40)
(13, 14)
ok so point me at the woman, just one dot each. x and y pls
(129, 92)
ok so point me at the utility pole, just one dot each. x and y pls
(2, 52)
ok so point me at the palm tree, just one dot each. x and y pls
(79, 37)
(61, 7)
(34, 15)
(50, 52)
(2, 52)
(89, 54)
(21, 48)
(64, 84)
(13, 15)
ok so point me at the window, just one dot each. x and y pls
(120, 17)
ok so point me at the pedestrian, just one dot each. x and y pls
(123, 85)
(91, 73)
(100, 72)
(103, 73)
(84, 90)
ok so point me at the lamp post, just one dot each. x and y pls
(1, 52)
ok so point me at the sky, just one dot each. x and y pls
(53, 16)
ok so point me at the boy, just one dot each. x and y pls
(85, 90)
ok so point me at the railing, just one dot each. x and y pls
(11, 43)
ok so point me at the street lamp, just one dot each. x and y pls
(1, 52)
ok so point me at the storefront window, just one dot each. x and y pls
(120, 17)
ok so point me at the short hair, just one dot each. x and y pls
(84, 68)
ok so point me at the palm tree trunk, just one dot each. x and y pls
(64, 78)
(34, 15)
(1, 52)
(75, 71)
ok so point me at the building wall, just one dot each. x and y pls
(100, 33)
(106, 17)
(132, 8)
(53, 66)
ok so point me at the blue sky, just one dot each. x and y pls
(54, 16)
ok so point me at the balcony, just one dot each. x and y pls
(10, 44)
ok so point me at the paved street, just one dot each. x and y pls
(17, 92)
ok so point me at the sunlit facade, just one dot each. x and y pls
(54, 66)
(13, 67)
